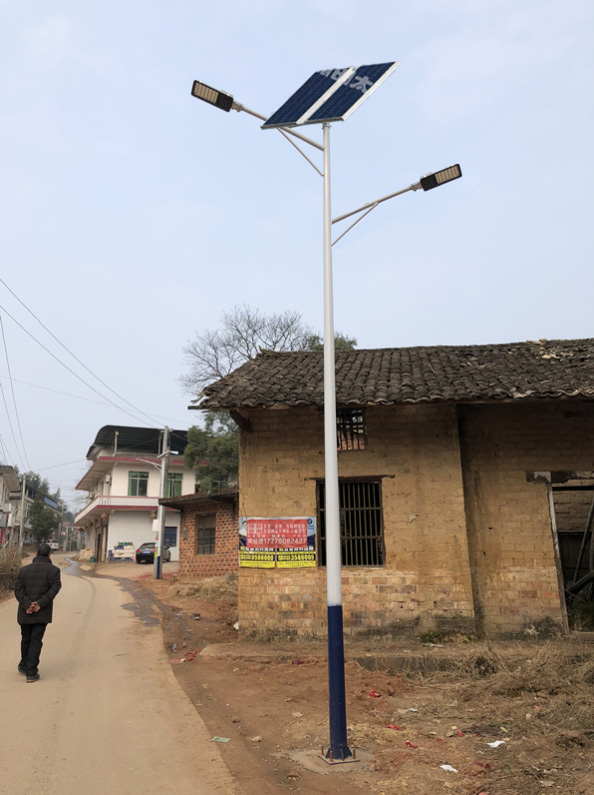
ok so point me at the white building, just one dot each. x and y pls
(9, 502)
(13, 504)
(123, 486)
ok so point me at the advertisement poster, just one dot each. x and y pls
(286, 542)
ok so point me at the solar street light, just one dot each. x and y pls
(328, 96)
(430, 181)
(220, 99)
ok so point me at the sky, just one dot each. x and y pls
(133, 215)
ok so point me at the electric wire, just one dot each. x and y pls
(11, 428)
(87, 399)
(57, 466)
(82, 364)
(3, 449)
(16, 410)
(70, 370)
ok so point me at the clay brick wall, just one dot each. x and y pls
(572, 509)
(425, 582)
(225, 559)
(509, 527)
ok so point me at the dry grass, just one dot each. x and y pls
(10, 563)
(541, 701)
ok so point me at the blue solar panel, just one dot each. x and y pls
(330, 95)
(302, 100)
(352, 93)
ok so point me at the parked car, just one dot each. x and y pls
(54, 546)
(146, 553)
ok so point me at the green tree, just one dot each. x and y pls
(39, 484)
(44, 522)
(213, 452)
(342, 344)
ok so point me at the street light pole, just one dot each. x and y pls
(338, 749)
(302, 108)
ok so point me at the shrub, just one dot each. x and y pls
(10, 563)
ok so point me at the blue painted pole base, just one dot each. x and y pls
(338, 751)
(158, 568)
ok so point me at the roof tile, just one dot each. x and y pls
(519, 370)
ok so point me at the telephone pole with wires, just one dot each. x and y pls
(165, 452)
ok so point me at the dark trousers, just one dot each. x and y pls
(31, 644)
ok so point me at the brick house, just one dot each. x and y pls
(453, 463)
(208, 533)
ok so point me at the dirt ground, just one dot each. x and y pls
(412, 708)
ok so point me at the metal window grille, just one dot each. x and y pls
(137, 484)
(205, 534)
(361, 525)
(350, 429)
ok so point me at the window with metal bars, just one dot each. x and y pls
(361, 524)
(350, 429)
(205, 534)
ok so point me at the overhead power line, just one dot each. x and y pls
(75, 357)
(70, 370)
(16, 410)
(11, 428)
(87, 399)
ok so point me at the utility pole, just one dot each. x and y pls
(161, 510)
(23, 499)
(65, 549)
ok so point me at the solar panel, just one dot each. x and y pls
(319, 87)
(330, 95)
(352, 93)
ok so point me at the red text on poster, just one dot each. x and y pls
(276, 534)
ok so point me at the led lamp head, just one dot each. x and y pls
(213, 96)
(430, 181)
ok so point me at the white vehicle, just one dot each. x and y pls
(54, 546)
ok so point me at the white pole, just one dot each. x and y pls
(330, 447)
(161, 509)
(338, 749)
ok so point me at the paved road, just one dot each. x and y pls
(107, 715)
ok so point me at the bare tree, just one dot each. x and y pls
(243, 333)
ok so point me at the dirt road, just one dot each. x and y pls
(107, 714)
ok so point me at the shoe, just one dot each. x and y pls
(34, 678)
(21, 670)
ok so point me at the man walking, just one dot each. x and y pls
(35, 589)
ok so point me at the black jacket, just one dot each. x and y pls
(39, 582)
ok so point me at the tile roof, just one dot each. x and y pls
(518, 370)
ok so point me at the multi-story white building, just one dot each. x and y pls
(123, 486)
(14, 503)
(9, 502)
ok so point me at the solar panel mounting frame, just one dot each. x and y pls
(305, 117)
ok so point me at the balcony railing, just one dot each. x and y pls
(106, 503)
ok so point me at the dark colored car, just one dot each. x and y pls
(146, 553)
